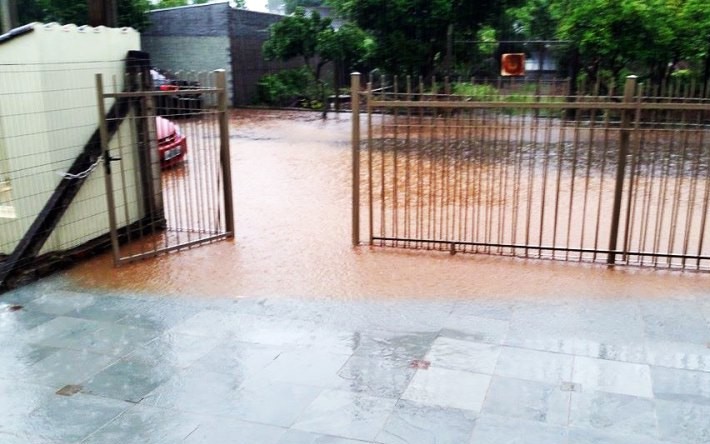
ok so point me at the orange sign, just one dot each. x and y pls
(512, 64)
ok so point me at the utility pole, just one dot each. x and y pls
(103, 12)
(8, 11)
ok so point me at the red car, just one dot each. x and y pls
(172, 144)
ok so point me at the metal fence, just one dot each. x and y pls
(52, 198)
(617, 179)
(182, 179)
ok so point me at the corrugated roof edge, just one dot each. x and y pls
(17, 32)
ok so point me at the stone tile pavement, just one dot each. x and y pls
(80, 366)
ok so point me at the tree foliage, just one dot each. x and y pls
(130, 12)
(312, 37)
(291, 5)
(411, 35)
(613, 37)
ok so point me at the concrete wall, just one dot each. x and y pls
(249, 31)
(190, 38)
(213, 36)
(47, 114)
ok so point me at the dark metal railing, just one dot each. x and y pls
(608, 179)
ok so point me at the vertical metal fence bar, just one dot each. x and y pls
(395, 160)
(697, 138)
(629, 90)
(110, 201)
(355, 136)
(407, 165)
(420, 170)
(634, 173)
(370, 172)
(383, 161)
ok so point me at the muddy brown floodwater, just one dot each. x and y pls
(291, 174)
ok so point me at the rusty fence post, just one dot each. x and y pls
(625, 133)
(110, 202)
(355, 106)
(224, 153)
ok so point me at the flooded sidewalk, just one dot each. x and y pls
(288, 335)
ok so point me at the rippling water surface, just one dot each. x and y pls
(291, 175)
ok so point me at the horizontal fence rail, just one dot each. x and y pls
(617, 179)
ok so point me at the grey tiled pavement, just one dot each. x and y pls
(82, 366)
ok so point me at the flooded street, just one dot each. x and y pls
(291, 173)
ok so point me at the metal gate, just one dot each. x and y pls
(616, 179)
(167, 162)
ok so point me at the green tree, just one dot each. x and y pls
(130, 12)
(614, 36)
(291, 5)
(412, 35)
(297, 36)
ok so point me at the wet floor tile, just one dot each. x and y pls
(60, 302)
(146, 425)
(154, 315)
(16, 358)
(306, 366)
(299, 437)
(475, 328)
(27, 293)
(491, 429)
(175, 350)
(63, 332)
(448, 388)
(68, 419)
(531, 400)
(118, 340)
(377, 377)
(403, 316)
(237, 358)
(534, 365)
(577, 327)
(18, 399)
(501, 309)
(469, 356)
(16, 323)
(412, 423)
(218, 431)
(212, 323)
(196, 391)
(394, 346)
(613, 377)
(681, 385)
(331, 340)
(683, 422)
(272, 403)
(681, 321)
(588, 436)
(679, 355)
(106, 308)
(128, 380)
(67, 367)
(614, 413)
(346, 414)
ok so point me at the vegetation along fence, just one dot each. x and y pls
(619, 178)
